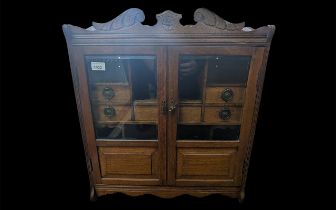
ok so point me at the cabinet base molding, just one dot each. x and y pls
(169, 192)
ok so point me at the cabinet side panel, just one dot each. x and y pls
(263, 52)
(249, 108)
(94, 175)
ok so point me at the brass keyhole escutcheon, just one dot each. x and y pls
(172, 106)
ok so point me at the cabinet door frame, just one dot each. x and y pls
(174, 52)
(86, 119)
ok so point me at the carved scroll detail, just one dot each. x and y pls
(168, 20)
(209, 18)
(126, 19)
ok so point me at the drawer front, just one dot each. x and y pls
(225, 95)
(222, 114)
(189, 114)
(146, 113)
(112, 93)
(105, 113)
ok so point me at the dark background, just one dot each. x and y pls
(42, 158)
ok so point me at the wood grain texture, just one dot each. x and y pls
(144, 111)
(206, 166)
(122, 93)
(211, 114)
(122, 113)
(189, 114)
(213, 94)
(248, 110)
(129, 164)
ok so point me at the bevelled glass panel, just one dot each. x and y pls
(123, 95)
(127, 131)
(208, 87)
(228, 69)
(191, 76)
(208, 132)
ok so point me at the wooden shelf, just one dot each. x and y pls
(126, 122)
(205, 123)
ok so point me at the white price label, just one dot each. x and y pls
(97, 66)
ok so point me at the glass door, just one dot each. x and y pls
(124, 87)
(123, 95)
(206, 113)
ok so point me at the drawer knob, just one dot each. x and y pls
(109, 112)
(225, 114)
(108, 93)
(227, 95)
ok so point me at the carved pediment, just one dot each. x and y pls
(131, 20)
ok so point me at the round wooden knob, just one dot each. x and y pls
(227, 95)
(225, 114)
(109, 112)
(108, 93)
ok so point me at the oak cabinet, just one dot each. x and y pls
(168, 109)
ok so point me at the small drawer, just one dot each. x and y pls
(112, 113)
(189, 114)
(222, 114)
(225, 95)
(112, 93)
(146, 110)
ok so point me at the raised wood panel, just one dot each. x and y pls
(213, 94)
(211, 114)
(129, 165)
(205, 166)
(122, 113)
(119, 163)
(189, 114)
(122, 93)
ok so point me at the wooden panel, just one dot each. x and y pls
(206, 166)
(190, 114)
(119, 161)
(213, 94)
(122, 113)
(122, 93)
(211, 114)
(206, 144)
(146, 110)
(126, 143)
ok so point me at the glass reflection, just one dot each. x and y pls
(121, 87)
(191, 74)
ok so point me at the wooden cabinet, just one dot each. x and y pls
(168, 109)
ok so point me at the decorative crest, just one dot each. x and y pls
(168, 20)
